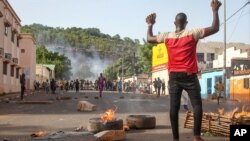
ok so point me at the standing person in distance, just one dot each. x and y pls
(22, 83)
(158, 86)
(77, 85)
(101, 84)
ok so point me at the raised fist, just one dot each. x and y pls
(151, 19)
(215, 4)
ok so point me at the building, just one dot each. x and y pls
(206, 53)
(231, 52)
(159, 65)
(17, 51)
(210, 54)
(210, 61)
(208, 80)
(236, 85)
(28, 59)
(10, 68)
(138, 78)
(240, 79)
(44, 72)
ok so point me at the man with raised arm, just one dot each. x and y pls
(182, 65)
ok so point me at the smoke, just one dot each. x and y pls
(85, 64)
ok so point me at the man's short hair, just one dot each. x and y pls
(183, 16)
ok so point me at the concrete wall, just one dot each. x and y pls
(238, 91)
(8, 83)
(1, 45)
(163, 75)
(231, 52)
(28, 59)
(43, 73)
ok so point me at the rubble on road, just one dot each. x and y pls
(111, 135)
(38, 134)
(6, 139)
(6, 100)
(85, 106)
(63, 98)
(80, 128)
(36, 102)
(61, 134)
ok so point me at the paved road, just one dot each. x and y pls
(18, 121)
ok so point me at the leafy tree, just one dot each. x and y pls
(144, 63)
(89, 40)
(61, 62)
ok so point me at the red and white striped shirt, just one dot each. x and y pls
(181, 48)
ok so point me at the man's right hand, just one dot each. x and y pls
(215, 4)
(151, 19)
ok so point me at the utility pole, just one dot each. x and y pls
(225, 53)
(122, 67)
(134, 74)
(42, 67)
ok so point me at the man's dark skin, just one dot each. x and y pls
(180, 24)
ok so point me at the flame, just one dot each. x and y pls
(235, 113)
(109, 115)
(126, 128)
(221, 111)
(243, 112)
(38, 134)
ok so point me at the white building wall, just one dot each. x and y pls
(163, 75)
(231, 53)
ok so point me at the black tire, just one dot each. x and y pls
(95, 125)
(141, 121)
(114, 125)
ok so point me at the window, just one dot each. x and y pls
(246, 83)
(5, 69)
(17, 73)
(12, 36)
(200, 57)
(22, 50)
(12, 71)
(5, 30)
(210, 56)
(17, 42)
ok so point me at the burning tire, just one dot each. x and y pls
(114, 125)
(97, 125)
(141, 122)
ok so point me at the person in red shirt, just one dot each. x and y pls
(182, 66)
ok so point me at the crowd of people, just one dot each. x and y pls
(109, 85)
(159, 86)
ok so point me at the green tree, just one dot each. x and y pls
(144, 63)
(61, 62)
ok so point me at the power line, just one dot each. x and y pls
(236, 24)
(237, 11)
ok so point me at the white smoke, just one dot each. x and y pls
(85, 65)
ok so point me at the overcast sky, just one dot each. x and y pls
(127, 17)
